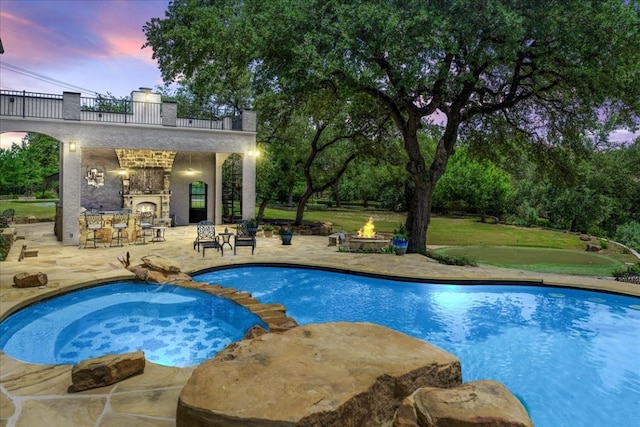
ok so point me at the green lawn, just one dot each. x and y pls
(343, 219)
(442, 231)
(538, 259)
(468, 231)
(38, 208)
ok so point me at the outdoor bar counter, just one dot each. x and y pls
(133, 230)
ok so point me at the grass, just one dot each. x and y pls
(467, 231)
(41, 209)
(539, 259)
(342, 219)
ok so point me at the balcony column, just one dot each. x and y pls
(70, 182)
(71, 105)
(248, 186)
(217, 187)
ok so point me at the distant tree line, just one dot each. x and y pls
(24, 167)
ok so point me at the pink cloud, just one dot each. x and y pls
(91, 44)
(53, 31)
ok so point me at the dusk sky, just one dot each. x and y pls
(91, 45)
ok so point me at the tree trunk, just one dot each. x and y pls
(263, 206)
(290, 199)
(419, 209)
(301, 205)
(336, 195)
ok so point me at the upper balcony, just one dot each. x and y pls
(143, 108)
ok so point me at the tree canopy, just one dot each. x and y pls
(24, 166)
(550, 72)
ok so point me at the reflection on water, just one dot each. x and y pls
(172, 325)
(572, 356)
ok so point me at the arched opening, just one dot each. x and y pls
(29, 182)
(197, 201)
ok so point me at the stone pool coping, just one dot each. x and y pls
(32, 393)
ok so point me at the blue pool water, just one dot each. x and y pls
(573, 357)
(174, 326)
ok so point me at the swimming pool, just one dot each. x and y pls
(174, 326)
(572, 356)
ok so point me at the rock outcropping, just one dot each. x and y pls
(155, 269)
(330, 374)
(484, 403)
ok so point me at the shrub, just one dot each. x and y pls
(388, 250)
(47, 194)
(604, 244)
(631, 269)
(316, 207)
(401, 232)
(543, 222)
(594, 230)
(5, 246)
(629, 234)
(452, 260)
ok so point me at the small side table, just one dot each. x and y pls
(226, 239)
(157, 234)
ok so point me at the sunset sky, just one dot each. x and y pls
(91, 45)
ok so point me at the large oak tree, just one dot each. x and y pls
(551, 70)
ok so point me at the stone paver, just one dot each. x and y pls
(31, 394)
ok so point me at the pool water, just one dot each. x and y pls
(174, 326)
(571, 356)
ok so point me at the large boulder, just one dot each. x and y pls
(160, 263)
(484, 403)
(593, 248)
(330, 374)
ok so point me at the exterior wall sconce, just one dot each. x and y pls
(254, 152)
(72, 147)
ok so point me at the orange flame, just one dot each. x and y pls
(368, 230)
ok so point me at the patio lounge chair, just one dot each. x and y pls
(244, 237)
(206, 232)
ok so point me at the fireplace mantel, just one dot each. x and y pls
(159, 199)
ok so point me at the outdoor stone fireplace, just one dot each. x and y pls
(146, 176)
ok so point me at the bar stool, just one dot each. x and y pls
(120, 223)
(95, 224)
(145, 222)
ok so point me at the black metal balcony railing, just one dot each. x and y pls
(30, 104)
(48, 106)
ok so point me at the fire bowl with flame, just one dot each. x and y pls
(367, 240)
